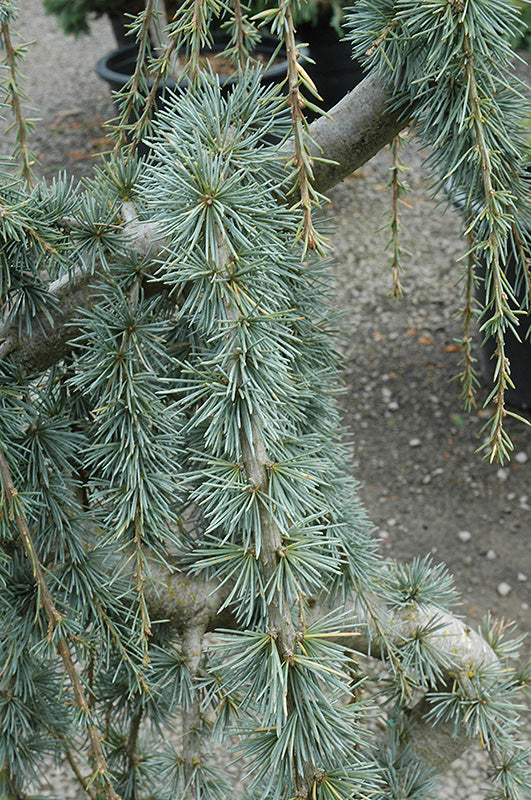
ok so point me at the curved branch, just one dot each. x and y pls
(53, 330)
(184, 600)
(360, 125)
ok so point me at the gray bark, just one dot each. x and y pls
(184, 601)
(360, 125)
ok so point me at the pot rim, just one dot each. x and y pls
(267, 46)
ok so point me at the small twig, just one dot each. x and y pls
(150, 100)
(468, 377)
(140, 66)
(140, 578)
(499, 441)
(398, 188)
(192, 648)
(197, 31)
(132, 741)
(389, 28)
(301, 159)
(22, 126)
(238, 22)
(78, 775)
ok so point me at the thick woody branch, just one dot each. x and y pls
(47, 343)
(51, 333)
(185, 601)
(360, 126)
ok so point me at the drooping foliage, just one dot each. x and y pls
(185, 563)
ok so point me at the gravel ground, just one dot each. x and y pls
(425, 486)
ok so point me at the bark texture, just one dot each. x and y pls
(360, 125)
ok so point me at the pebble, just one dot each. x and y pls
(521, 577)
(521, 457)
(393, 406)
(525, 606)
(504, 589)
(502, 474)
(491, 554)
(415, 442)
(464, 536)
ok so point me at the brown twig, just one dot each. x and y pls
(468, 378)
(501, 310)
(140, 68)
(238, 22)
(397, 189)
(301, 160)
(78, 774)
(21, 123)
(389, 28)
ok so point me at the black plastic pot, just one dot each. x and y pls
(117, 67)
(518, 351)
(334, 73)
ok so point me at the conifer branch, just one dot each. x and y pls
(499, 444)
(192, 649)
(360, 126)
(162, 67)
(55, 618)
(256, 464)
(181, 599)
(132, 92)
(301, 161)
(238, 24)
(353, 131)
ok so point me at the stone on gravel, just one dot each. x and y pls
(415, 442)
(504, 589)
(521, 577)
(521, 457)
(464, 536)
(491, 554)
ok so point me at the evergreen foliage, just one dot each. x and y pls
(181, 544)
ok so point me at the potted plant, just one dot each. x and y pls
(73, 15)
